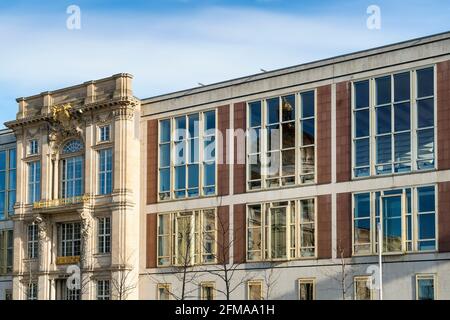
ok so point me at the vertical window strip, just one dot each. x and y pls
(72, 177)
(104, 235)
(33, 241)
(34, 181)
(105, 171)
(103, 290)
(70, 239)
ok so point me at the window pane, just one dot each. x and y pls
(362, 94)
(362, 231)
(2, 180)
(210, 122)
(180, 128)
(362, 205)
(273, 113)
(383, 88)
(193, 174)
(383, 120)
(180, 154)
(425, 144)
(307, 104)
(254, 216)
(164, 131)
(288, 135)
(193, 125)
(273, 137)
(278, 232)
(164, 155)
(180, 178)
(307, 208)
(194, 150)
(209, 148)
(362, 152)
(402, 145)
(402, 117)
(401, 86)
(307, 160)
(427, 226)
(425, 82)
(255, 114)
(425, 289)
(255, 167)
(308, 132)
(288, 108)
(288, 165)
(254, 140)
(362, 123)
(384, 149)
(2, 160)
(425, 113)
(210, 174)
(426, 199)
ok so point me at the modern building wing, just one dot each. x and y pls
(270, 186)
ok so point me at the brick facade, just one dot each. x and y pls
(223, 170)
(443, 115)
(344, 225)
(343, 132)
(324, 134)
(324, 226)
(152, 161)
(239, 184)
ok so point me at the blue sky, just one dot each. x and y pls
(171, 45)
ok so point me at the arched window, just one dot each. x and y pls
(72, 169)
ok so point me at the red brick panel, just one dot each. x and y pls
(324, 226)
(343, 132)
(151, 240)
(324, 134)
(223, 235)
(443, 115)
(239, 148)
(223, 171)
(152, 161)
(444, 216)
(239, 246)
(344, 225)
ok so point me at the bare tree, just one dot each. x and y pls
(271, 278)
(124, 281)
(225, 270)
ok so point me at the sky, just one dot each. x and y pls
(170, 45)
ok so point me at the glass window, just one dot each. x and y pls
(72, 147)
(425, 287)
(187, 237)
(163, 291)
(207, 291)
(362, 289)
(254, 290)
(362, 227)
(105, 133)
(33, 241)
(72, 177)
(69, 235)
(307, 290)
(105, 171)
(179, 156)
(6, 251)
(33, 147)
(34, 181)
(396, 124)
(32, 291)
(104, 235)
(7, 183)
(103, 290)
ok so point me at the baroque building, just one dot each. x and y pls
(77, 189)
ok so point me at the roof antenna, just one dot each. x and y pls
(201, 84)
(262, 70)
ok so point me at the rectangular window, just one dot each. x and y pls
(103, 290)
(104, 235)
(33, 147)
(32, 291)
(407, 217)
(279, 131)
(393, 123)
(33, 241)
(8, 295)
(186, 238)
(163, 291)
(6, 251)
(34, 181)
(7, 183)
(207, 291)
(255, 290)
(362, 289)
(72, 177)
(187, 156)
(105, 133)
(307, 289)
(425, 287)
(105, 172)
(281, 230)
(69, 235)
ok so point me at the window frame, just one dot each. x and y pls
(426, 276)
(414, 220)
(197, 251)
(106, 236)
(103, 190)
(207, 284)
(200, 161)
(167, 287)
(33, 242)
(265, 243)
(65, 242)
(10, 167)
(255, 282)
(34, 187)
(100, 136)
(365, 279)
(32, 291)
(33, 147)
(103, 289)
(6, 251)
(311, 281)
(413, 122)
(263, 150)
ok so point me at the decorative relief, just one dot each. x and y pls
(64, 122)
